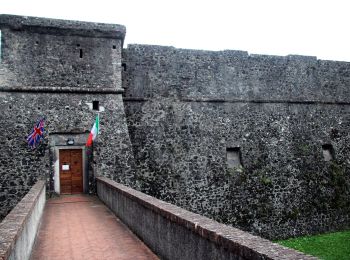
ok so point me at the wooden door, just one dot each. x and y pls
(71, 171)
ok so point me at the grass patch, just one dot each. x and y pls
(331, 246)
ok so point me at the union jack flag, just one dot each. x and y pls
(37, 133)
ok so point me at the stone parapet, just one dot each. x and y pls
(18, 229)
(175, 233)
(63, 27)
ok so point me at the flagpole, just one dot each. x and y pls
(93, 179)
(94, 165)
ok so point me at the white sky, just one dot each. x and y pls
(278, 27)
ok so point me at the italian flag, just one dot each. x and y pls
(93, 133)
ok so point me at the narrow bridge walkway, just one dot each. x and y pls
(81, 227)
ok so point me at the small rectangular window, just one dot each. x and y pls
(328, 152)
(95, 105)
(233, 157)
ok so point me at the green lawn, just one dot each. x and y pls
(331, 246)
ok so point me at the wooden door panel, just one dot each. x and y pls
(76, 181)
(71, 171)
(65, 175)
(77, 171)
(64, 157)
(65, 181)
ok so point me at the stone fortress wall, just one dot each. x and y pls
(259, 142)
(57, 69)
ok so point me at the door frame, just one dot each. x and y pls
(57, 185)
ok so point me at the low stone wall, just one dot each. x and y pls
(18, 229)
(174, 233)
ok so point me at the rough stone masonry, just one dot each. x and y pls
(57, 70)
(256, 141)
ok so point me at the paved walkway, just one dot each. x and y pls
(81, 227)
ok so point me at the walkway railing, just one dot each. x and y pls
(174, 233)
(18, 229)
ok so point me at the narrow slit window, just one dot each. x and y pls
(95, 105)
(328, 152)
(81, 53)
(233, 157)
(114, 46)
(124, 66)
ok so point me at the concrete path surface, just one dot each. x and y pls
(82, 227)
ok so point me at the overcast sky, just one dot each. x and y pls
(278, 27)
